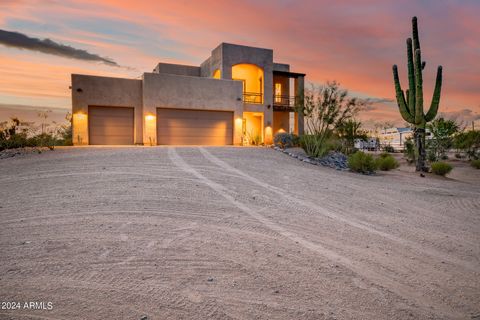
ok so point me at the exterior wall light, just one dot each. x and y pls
(268, 134)
(80, 128)
(150, 129)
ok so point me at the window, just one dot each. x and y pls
(278, 92)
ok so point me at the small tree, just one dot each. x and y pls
(469, 142)
(350, 131)
(442, 137)
(326, 109)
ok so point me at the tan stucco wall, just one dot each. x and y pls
(231, 55)
(104, 91)
(178, 69)
(175, 91)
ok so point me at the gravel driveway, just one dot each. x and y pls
(232, 233)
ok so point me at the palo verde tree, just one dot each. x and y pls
(410, 103)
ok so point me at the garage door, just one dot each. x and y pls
(194, 127)
(110, 125)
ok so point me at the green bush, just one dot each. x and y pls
(475, 164)
(314, 145)
(441, 168)
(362, 162)
(283, 140)
(295, 140)
(386, 162)
(409, 150)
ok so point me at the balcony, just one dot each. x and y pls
(252, 97)
(282, 102)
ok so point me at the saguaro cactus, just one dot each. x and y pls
(411, 106)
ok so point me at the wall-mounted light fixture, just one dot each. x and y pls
(149, 117)
(150, 129)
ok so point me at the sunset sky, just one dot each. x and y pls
(355, 42)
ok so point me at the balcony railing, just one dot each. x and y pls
(282, 101)
(253, 97)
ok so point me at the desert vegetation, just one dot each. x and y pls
(410, 103)
(15, 133)
(441, 168)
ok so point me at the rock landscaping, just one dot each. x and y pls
(334, 160)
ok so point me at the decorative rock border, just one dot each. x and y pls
(334, 160)
(10, 153)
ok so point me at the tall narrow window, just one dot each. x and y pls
(278, 92)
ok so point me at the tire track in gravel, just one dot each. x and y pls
(404, 291)
(291, 200)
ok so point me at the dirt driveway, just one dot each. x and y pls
(232, 233)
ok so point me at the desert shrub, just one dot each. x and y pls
(65, 134)
(315, 146)
(255, 139)
(388, 148)
(469, 142)
(386, 162)
(475, 164)
(283, 140)
(409, 150)
(295, 140)
(16, 140)
(431, 155)
(441, 168)
(442, 136)
(362, 162)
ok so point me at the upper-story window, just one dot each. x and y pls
(278, 92)
(252, 78)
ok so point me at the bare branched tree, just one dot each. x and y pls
(329, 107)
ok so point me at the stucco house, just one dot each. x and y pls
(237, 96)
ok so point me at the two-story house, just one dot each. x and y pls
(237, 96)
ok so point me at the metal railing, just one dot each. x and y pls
(284, 101)
(253, 97)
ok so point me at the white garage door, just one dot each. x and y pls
(110, 125)
(194, 127)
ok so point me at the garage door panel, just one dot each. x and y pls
(110, 131)
(217, 130)
(108, 140)
(194, 127)
(195, 140)
(110, 125)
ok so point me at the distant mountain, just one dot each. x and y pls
(30, 113)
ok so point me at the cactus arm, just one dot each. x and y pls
(419, 117)
(432, 112)
(402, 105)
(411, 78)
(416, 40)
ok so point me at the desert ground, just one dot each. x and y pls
(233, 233)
